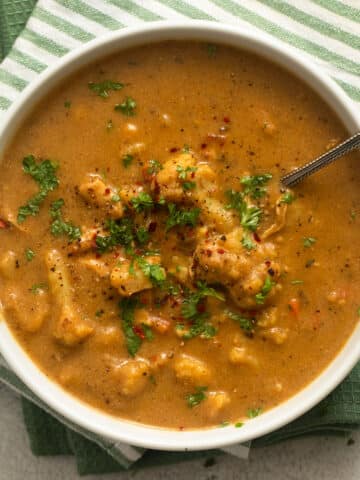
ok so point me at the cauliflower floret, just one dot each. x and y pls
(71, 329)
(215, 403)
(100, 195)
(240, 356)
(129, 278)
(36, 304)
(182, 178)
(216, 216)
(277, 335)
(190, 369)
(101, 268)
(132, 376)
(8, 264)
(223, 259)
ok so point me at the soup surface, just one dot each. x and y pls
(150, 263)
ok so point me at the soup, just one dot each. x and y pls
(150, 262)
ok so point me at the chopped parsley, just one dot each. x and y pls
(149, 335)
(58, 226)
(127, 160)
(186, 148)
(261, 296)
(254, 412)
(29, 254)
(44, 175)
(245, 323)
(308, 241)
(109, 125)
(297, 282)
(239, 424)
(155, 272)
(287, 197)
(180, 217)
(38, 287)
(142, 235)
(103, 88)
(154, 167)
(120, 233)
(127, 107)
(133, 341)
(254, 185)
(224, 424)
(250, 215)
(67, 104)
(142, 202)
(99, 313)
(194, 399)
(116, 198)
(247, 243)
(183, 175)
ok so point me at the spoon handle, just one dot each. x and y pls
(300, 173)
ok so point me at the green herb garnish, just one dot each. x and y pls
(142, 202)
(142, 235)
(120, 233)
(247, 243)
(29, 254)
(154, 167)
(103, 88)
(127, 160)
(211, 49)
(250, 215)
(261, 296)
(67, 104)
(254, 185)
(133, 341)
(109, 125)
(153, 271)
(308, 241)
(254, 412)
(297, 282)
(287, 197)
(127, 107)
(194, 399)
(238, 424)
(58, 226)
(149, 334)
(44, 175)
(180, 217)
(245, 323)
(37, 287)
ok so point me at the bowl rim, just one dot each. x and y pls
(75, 410)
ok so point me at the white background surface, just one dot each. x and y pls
(315, 458)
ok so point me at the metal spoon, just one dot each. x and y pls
(297, 175)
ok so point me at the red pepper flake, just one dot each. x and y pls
(107, 191)
(226, 119)
(152, 227)
(256, 237)
(181, 428)
(201, 308)
(267, 263)
(173, 149)
(3, 224)
(192, 174)
(208, 252)
(203, 145)
(139, 331)
(98, 255)
(221, 251)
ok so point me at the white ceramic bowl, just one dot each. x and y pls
(130, 432)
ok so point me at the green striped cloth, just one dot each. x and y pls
(325, 31)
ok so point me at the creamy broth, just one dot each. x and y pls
(175, 284)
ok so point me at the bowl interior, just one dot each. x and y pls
(125, 431)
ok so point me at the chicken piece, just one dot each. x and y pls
(215, 403)
(240, 356)
(87, 241)
(190, 369)
(182, 171)
(71, 327)
(277, 335)
(8, 264)
(132, 376)
(103, 196)
(280, 220)
(109, 335)
(101, 268)
(216, 216)
(36, 306)
(245, 274)
(129, 278)
(144, 317)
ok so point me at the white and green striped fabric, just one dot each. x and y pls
(325, 31)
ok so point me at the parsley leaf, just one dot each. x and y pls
(250, 215)
(254, 185)
(142, 235)
(44, 175)
(254, 412)
(102, 88)
(181, 217)
(127, 160)
(287, 197)
(308, 241)
(37, 287)
(183, 175)
(154, 167)
(58, 226)
(133, 341)
(67, 104)
(149, 334)
(29, 254)
(127, 107)
(142, 202)
(261, 296)
(245, 323)
(247, 243)
(194, 399)
(120, 233)
(153, 271)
